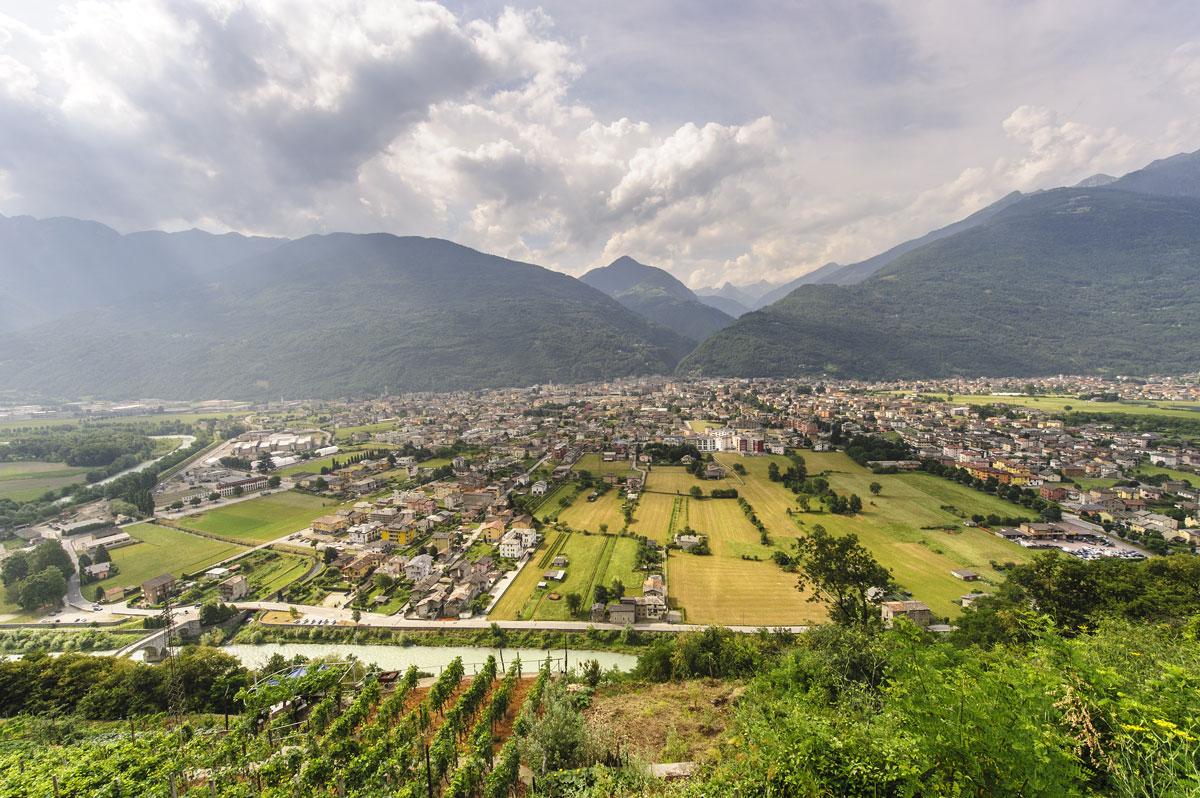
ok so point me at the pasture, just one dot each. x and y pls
(898, 525)
(1058, 405)
(725, 588)
(261, 519)
(597, 466)
(26, 480)
(162, 550)
(589, 557)
(583, 514)
(652, 516)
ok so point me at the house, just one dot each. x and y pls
(399, 535)
(622, 614)
(234, 588)
(237, 486)
(555, 576)
(917, 612)
(364, 533)
(687, 542)
(156, 589)
(418, 567)
(965, 575)
(99, 570)
(362, 565)
(511, 546)
(330, 524)
(539, 488)
(714, 471)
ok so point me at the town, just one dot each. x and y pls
(653, 502)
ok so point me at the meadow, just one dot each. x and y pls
(26, 480)
(597, 466)
(588, 555)
(1058, 405)
(162, 551)
(590, 515)
(261, 519)
(898, 524)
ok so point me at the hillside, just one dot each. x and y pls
(340, 315)
(56, 266)
(1065, 281)
(1177, 176)
(658, 297)
(724, 304)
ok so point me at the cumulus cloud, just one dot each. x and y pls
(568, 138)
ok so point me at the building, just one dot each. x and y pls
(156, 589)
(539, 488)
(99, 570)
(237, 486)
(917, 612)
(418, 567)
(234, 588)
(399, 535)
(331, 524)
(511, 546)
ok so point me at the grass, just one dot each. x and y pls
(724, 588)
(676, 479)
(550, 502)
(652, 516)
(163, 550)
(262, 519)
(699, 425)
(589, 559)
(267, 572)
(671, 722)
(183, 418)
(621, 562)
(314, 465)
(26, 480)
(583, 514)
(600, 467)
(891, 524)
(1153, 470)
(1058, 405)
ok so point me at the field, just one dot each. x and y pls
(262, 519)
(1060, 404)
(891, 524)
(267, 572)
(703, 426)
(1153, 470)
(162, 550)
(550, 501)
(676, 479)
(314, 465)
(722, 587)
(599, 467)
(183, 418)
(583, 514)
(26, 480)
(586, 553)
(652, 516)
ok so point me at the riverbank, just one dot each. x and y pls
(624, 641)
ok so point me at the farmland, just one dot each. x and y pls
(587, 555)
(27, 480)
(891, 524)
(1059, 405)
(261, 519)
(723, 587)
(589, 515)
(599, 467)
(162, 550)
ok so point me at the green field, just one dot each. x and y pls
(183, 418)
(599, 467)
(676, 479)
(315, 465)
(550, 502)
(890, 524)
(163, 550)
(722, 587)
(588, 554)
(262, 519)
(699, 425)
(26, 480)
(1058, 405)
(652, 516)
(583, 514)
(1153, 470)
(267, 571)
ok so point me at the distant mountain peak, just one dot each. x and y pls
(1095, 181)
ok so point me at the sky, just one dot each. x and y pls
(721, 141)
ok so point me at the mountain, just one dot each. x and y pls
(819, 275)
(1096, 181)
(50, 267)
(343, 315)
(658, 297)
(724, 304)
(1064, 281)
(1177, 176)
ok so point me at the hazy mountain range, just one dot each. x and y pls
(1101, 276)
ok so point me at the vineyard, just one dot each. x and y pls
(325, 729)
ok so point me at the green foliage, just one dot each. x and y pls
(712, 653)
(975, 302)
(842, 574)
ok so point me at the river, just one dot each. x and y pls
(426, 658)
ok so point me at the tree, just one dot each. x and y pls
(855, 504)
(15, 568)
(695, 492)
(330, 555)
(842, 574)
(356, 615)
(773, 472)
(574, 603)
(600, 594)
(274, 481)
(45, 587)
(499, 637)
(321, 484)
(212, 497)
(265, 463)
(618, 589)
(875, 488)
(99, 594)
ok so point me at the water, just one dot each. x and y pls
(426, 658)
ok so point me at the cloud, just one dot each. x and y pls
(720, 143)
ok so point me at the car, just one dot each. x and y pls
(96, 608)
